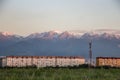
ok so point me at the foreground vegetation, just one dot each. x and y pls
(59, 74)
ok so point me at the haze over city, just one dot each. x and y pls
(24, 17)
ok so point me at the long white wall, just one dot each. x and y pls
(42, 61)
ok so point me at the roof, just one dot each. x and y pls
(47, 57)
(108, 57)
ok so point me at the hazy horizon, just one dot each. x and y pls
(29, 16)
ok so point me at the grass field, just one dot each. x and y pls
(59, 74)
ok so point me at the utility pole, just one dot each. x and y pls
(90, 53)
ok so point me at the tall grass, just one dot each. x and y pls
(59, 74)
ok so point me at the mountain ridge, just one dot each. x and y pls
(67, 34)
(61, 44)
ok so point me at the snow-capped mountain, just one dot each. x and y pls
(67, 35)
(59, 35)
(105, 43)
(6, 33)
(95, 35)
(9, 36)
(45, 35)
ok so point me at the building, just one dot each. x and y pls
(41, 61)
(108, 61)
(2, 61)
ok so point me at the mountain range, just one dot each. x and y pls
(57, 43)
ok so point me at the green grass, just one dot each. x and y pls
(59, 74)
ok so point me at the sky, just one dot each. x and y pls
(28, 16)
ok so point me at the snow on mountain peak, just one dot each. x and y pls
(107, 34)
(45, 35)
(68, 34)
(56, 31)
(9, 36)
(56, 35)
(6, 33)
